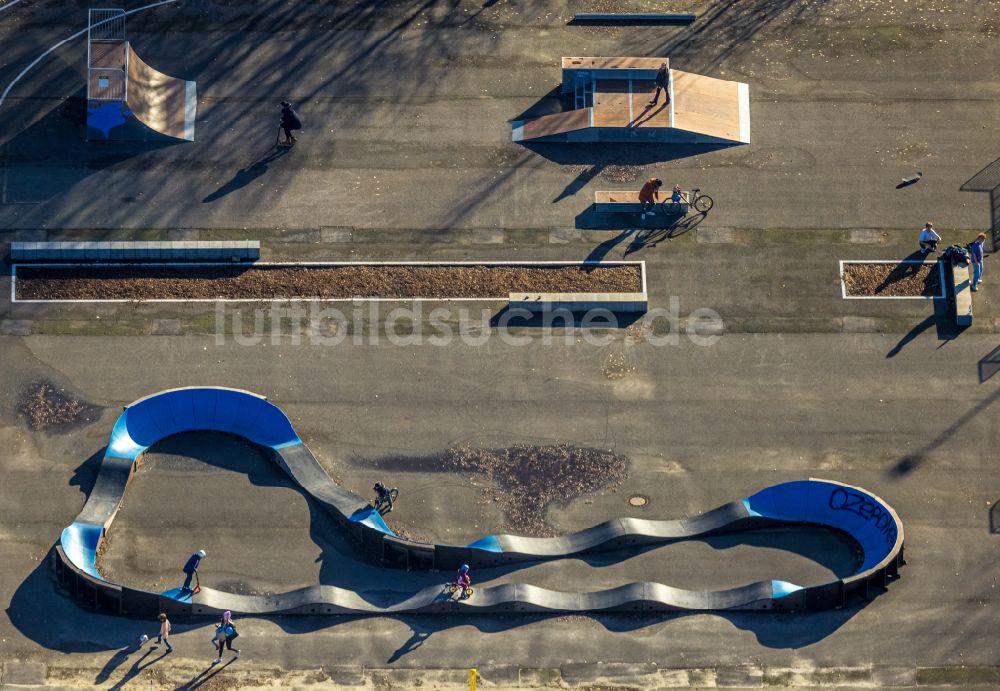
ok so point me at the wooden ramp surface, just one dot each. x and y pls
(706, 105)
(556, 123)
(163, 103)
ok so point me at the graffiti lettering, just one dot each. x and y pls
(844, 500)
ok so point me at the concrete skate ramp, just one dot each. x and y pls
(165, 104)
(872, 524)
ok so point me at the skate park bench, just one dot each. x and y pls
(962, 293)
(628, 202)
(158, 251)
(540, 303)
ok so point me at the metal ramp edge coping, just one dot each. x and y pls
(863, 516)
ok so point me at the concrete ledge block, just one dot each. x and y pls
(140, 250)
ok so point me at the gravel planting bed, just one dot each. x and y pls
(267, 282)
(892, 280)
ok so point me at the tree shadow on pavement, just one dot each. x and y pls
(912, 462)
(51, 156)
(725, 28)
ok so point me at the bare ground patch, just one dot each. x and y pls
(892, 280)
(267, 282)
(526, 479)
(45, 407)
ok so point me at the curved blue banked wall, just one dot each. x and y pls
(867, 519)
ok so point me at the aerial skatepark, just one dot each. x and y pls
(864, 517)
(754, 532)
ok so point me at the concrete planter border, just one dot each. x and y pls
(641, 265)
(843, 285)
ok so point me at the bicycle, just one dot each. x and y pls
(455, 586)
(389, 498)
(702, 203)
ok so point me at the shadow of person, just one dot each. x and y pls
(647, 114)
(136, 668)
(245, 176)
(203, 676)
(649, 238)
(113, 663)
(421, 633)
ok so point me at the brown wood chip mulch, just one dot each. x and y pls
(331, 282)
(892, 280)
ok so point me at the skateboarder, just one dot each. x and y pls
(191, 568)
(662, 82)
(648, 195)
(928, 238)
(289, 121)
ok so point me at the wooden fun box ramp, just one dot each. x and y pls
(611, 103)
(126, 98)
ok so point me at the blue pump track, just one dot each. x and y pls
(866, 518)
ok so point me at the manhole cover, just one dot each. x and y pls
(638, 500)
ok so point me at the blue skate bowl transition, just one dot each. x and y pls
(861, 515)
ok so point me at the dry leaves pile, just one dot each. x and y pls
(527, 478)
(276, 282)
(44, 407)
(892, 280)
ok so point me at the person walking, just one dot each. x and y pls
(225, 634)
(662, 80)
(929, 239)
(976, 255)
(191, 569)
(648, 196)
(289, 121)
(164, 634)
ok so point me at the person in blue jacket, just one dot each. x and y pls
(976, 255)
(191, 568)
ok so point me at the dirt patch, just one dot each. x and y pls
(892, 280)
(330, 282)
(45, 407)
(527, 478)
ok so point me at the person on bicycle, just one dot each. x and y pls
(462, 579)
(648, 195)
(676, 195)
(382, 496)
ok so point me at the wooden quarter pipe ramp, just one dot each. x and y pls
(126, 98)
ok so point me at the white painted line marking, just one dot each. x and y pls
(66, 40)
(9, 5)
(843, 285)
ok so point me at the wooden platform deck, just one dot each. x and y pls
(613, 63)
(625, 103)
